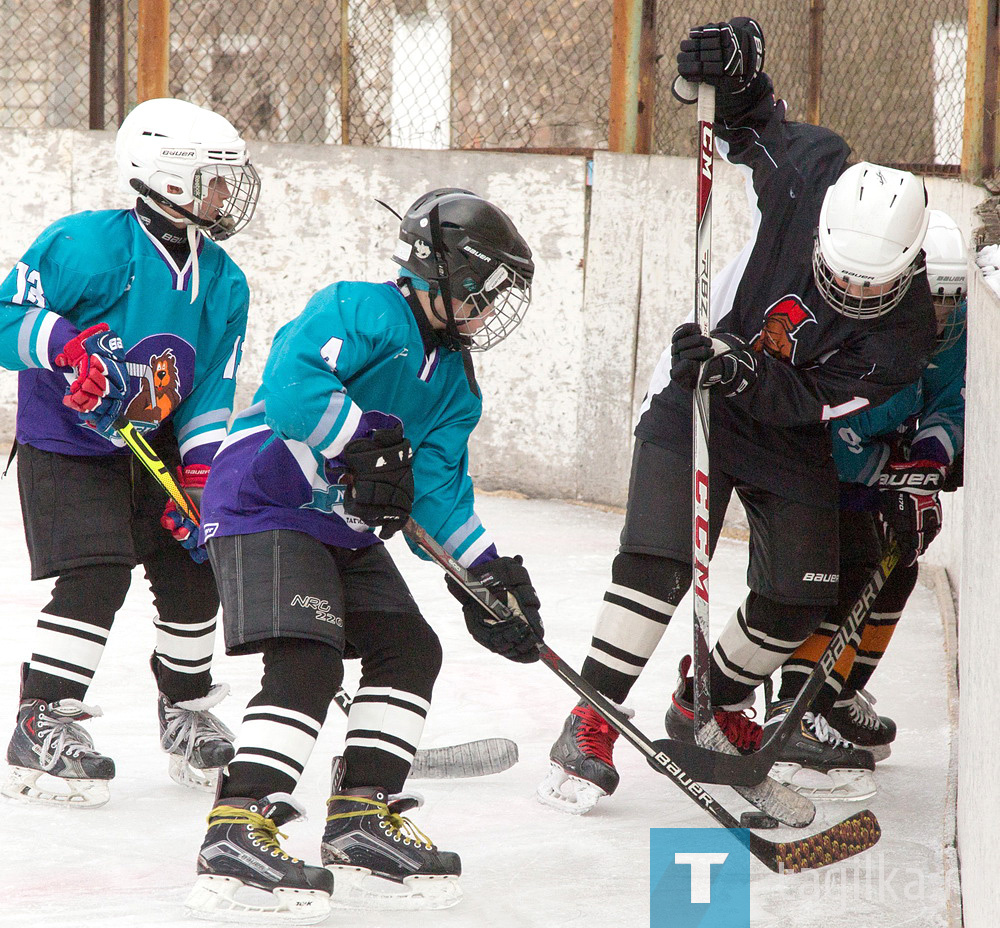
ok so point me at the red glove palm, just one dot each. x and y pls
(192, 480)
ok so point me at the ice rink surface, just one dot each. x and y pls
(131, 863)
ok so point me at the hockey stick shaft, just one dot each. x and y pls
(850, 837)
(476, 758)
(700, 533)
(471, 759)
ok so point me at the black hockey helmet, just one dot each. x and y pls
(467, 249)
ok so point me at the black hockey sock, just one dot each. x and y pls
(637, 608)
(755, 643)
(68, 652)
(282, 721)
(400, 660)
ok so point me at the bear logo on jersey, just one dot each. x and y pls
(163, 396)
(781, 322)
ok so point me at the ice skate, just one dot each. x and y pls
(52, 758)
(860, 724)
(735, 721)
(817, 762)
(198, 743)
(243, 874)
(582, 771)
(379, 859)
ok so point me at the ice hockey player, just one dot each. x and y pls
(893, 460)
(825, 312)
(129, 314)
(364, 413)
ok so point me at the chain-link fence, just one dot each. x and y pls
(533, 74)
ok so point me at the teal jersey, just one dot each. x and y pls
(353, 361)
(182, 353)
(928, 416)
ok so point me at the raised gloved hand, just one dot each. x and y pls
(507, 580)
(726, 55)
(192, 481)
(729, 362)
(379, 479)
(99, 391)
(909, 504)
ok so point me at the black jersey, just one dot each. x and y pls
(816, 364)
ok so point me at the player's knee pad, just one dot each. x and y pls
(401, 651)
(90, 594)
(660, 577)
(786, 621)
(300, 674)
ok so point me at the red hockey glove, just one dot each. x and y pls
(99, 391)
(909, 504)
(192, 481)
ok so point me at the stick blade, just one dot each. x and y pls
(472, 759)
(852, 836)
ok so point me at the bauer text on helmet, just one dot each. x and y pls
(947, 274)
(189, 164)
(465, 247)
(871, 229)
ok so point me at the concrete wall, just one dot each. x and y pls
(614, 274)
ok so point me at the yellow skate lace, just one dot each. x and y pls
(263, 829)
(398, 826)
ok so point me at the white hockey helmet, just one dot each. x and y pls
(947, 274)
(180, 156)
(871, 227)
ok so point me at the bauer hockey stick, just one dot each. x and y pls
(855, 834)
(471, 759)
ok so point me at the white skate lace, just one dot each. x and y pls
(63, 735)
(189, 723)
(862, 711)
(824, 731)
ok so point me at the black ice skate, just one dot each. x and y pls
(735, 722)
(197, 742)
(859, 723)
(52, 758)
(241, 854)
(379, 859)
(817, 762)
(582, 770)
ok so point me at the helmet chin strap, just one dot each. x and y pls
(193, 225)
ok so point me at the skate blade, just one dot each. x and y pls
(567, 793)
(183, 773)
(842, 784)
(214, 898)
(26, 785)
(359, 888)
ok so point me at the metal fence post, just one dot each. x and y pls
(96, 64)
(814, 92)
(633, 67)
(345, 74)
(979, 131)
(154, 49)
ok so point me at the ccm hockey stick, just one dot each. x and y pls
(472, 759)
(852, 836)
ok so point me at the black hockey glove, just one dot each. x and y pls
(909, 505)
(729, 363)
(507, 580)
(379, 479)
(726, 55)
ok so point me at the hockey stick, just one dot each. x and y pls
(765, 757)
(472, 759)
(703, 716)
(852, 836)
